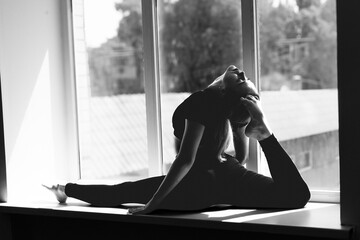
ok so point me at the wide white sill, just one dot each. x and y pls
(315, 220)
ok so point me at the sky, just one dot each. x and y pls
(101, 21)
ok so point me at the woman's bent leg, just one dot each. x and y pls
(114, 195)
(241, 187)
(289, 185)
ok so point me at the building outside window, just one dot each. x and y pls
(110, 87)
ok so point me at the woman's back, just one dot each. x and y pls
(204, 107)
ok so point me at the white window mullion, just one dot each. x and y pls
(73, 166)
(251, 64)
(152, 86)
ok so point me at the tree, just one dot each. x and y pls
(322, 62)
(272, 30)
(320, 66)
(311, 23)
(199, 40)
(130, 32)
(115, 67)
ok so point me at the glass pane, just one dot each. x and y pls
(110, 89)
(299, 85)
(198, 40)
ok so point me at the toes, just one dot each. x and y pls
(59, 192)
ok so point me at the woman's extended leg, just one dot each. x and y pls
(114, 195)
(59, 192)
(195, 191)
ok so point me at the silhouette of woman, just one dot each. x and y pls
(202, 174)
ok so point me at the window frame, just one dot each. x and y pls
(251, 61)
(152, 86)
(71, 89)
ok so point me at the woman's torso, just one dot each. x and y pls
(205, 108)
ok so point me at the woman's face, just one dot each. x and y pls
(236, 81)
(239, 85)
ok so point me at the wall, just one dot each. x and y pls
(35, 95)
(349, 119)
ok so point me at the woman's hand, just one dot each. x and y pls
(142, 210)
(258, 127)
(181, 166)
(239, 116)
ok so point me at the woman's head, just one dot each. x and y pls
(236, 83)
(230, 87)
(233, 82)
(235, 86)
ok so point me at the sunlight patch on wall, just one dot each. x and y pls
(33, 153)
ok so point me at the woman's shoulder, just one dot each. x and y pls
(204, 102)
(204, 99)
(207, 94)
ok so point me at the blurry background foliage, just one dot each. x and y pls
(199, 39)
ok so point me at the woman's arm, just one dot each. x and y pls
(183, 162)
(241, 142)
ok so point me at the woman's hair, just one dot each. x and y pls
(222, 125)
(222, 135)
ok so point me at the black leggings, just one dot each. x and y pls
(227, 183)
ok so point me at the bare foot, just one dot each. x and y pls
(258, 127)
(59, 192)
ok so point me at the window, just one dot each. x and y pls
(130, 82)
(110, 88)
(198, 40)
(298, 81)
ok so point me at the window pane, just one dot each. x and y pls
(198, 40)
(299, 85)
(110, 89)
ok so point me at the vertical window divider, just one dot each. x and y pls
(251, 65)
(74, 163)
(152, 86)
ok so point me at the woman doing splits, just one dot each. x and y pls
(202, 174)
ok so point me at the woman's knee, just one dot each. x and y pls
(303, 198)
(297, 198)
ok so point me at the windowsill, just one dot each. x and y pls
(315, 220)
